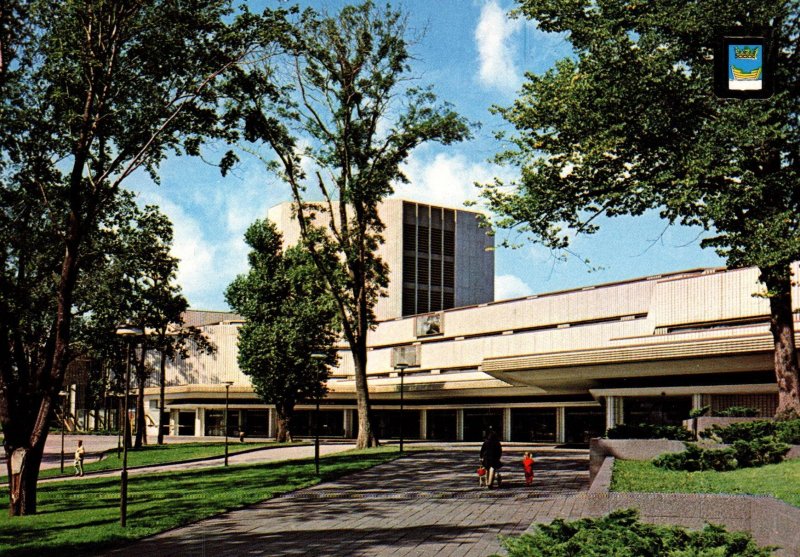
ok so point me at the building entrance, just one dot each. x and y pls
(584, 423)
(186, 423)
(534, 425)
(442, 425)
(478, 422)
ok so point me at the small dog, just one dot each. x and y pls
(482, 476)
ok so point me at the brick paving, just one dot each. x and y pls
(423, 504)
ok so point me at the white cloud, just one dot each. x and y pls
(496, 49)
(446, 179)
(254, 194)
(510, 286)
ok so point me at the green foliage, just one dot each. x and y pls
(89, 92)
(758, 452)
(289, 316)
(698, 412)
(788, 431)
(694, 458)
(649, 431)
(630, 123)
(738, 412)
(742, 454)
(622, 533)
(747, 431)
(785, 431)
(338, 131)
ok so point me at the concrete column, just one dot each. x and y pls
(272, 423)
(611, 412)
(173, 422)
(561, 425)
(506, 424)
(349, 430)
(200, 422)
(423, 424)
(460, 424)
(697, 401)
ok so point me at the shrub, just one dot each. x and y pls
(649, 431)
(759, 452)
(743, 454)
(694, 459)
(688, 460)
(746, 431)
(621, 533)
(738, 412)
(788, 431)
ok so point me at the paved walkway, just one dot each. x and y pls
(422, 504)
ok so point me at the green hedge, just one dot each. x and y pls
(649, 431)
(738, 412)
(743, 454)
(622, 534)
(784, 431)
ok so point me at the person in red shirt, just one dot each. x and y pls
(527, 465)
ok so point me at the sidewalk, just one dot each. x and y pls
(265, 454)
(422, 504)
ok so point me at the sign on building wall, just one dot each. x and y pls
(430, 324)
(406, 355)
(742, 67)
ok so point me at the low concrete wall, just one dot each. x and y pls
(772, 522)
(601, 482)
(628, 449)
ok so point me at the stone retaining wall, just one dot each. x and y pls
(772, 522)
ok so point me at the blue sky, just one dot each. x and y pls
(475, 57)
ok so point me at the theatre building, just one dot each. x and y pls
(557, 367)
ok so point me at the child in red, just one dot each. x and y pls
(527, 465)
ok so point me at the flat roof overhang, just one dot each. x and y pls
(584, 369)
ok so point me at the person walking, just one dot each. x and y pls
(80, 453)
(491, 452)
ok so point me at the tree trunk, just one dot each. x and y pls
(284, 413)
(786, 363)
(141, 379)
(141, 425)
(162, 379)
(22, 484)
(366, 435)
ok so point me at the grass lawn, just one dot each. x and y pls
(155, 454)
(82, 516)
(779, 480)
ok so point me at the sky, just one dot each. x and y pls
(475, 57)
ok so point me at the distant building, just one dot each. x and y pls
(438, 258)
(554, 367)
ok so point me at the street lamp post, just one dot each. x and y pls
(227, 389)
(127, 331)
(319, 358)
(63, 395)
(401, 370)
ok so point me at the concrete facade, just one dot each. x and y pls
(429, 251)
(554, 367)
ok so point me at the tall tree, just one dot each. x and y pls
(631, 123)
(289, 316)
(94, 90)
(347, 112)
